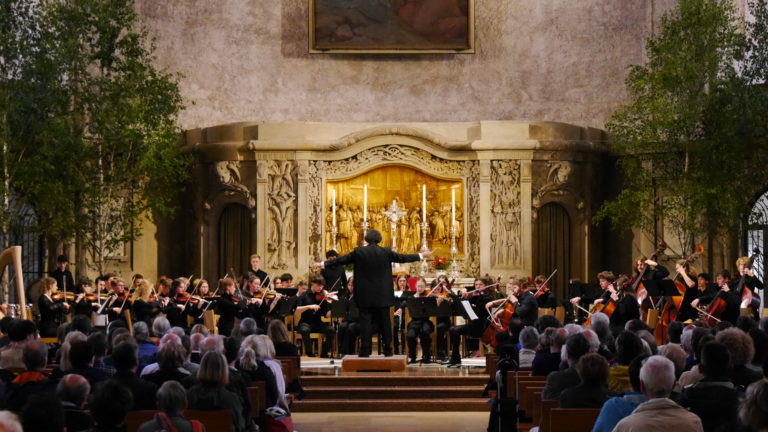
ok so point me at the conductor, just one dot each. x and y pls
(373, 286)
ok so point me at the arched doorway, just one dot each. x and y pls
(234, 239)
(552, 246)
(757, 233)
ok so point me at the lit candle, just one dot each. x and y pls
(333, 205)
(365, 203)
(453, 207)
(424, 203)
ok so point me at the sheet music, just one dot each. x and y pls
(399, 294)
(468, 309)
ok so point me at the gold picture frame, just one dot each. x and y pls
(391, 26)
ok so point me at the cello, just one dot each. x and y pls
(608, 307)
(719, 304)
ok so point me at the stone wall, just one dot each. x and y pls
(554, 60)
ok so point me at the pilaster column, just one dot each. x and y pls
(302, 215)
(526, 215)
(485, 217)
(261, 208)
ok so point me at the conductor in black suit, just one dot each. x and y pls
(373, 286)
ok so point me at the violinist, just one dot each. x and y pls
(84, 302)
(474, 328)
(525, 303)
(52, 308)
(686, 278)
(543, 294)
(228, 307)
(334, 272)
(254, 299)
(178, 308)
(420, 328)
(401, 285)
(725, 291)
(145, 307)
(314, 305)
(198, 303)
(117, 303)
(255, 271)
(349, 328)
(441, 291)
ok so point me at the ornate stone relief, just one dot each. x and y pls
(227, 175)
(394, 153)
(472, 260)
(557, 181)
(281, 208)
(506, 240)
(316, 173)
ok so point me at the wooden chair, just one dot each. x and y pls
(319, 337)
(136, 418)
(50, 340)
(257, 393)
(546, 408)
(217, 420)
(572, 419)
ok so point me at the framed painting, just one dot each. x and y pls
(392, 26)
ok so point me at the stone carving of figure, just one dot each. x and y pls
(438, 227)
(345, 228)
(415, 228)
(228, 173)
(505, 213)
(404, 237)
(328, 228)
(282, 208)
(354, 234)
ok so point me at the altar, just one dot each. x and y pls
(475, 191)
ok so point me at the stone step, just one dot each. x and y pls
(389, 405)
(391, 380)
(404, 392)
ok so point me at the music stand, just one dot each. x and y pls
(421, 307)
(287, 292)
(287, 306)
(661, 288)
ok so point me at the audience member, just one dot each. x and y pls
(593, 390)
(741, 349)
(43, 413)
(547, 359)
(754, 409)
(98, 341)
(109, 405)
(257, 370)
(279, 335)
(170, 359)
(73, 391)
(616, 408)
(33, 380)
(659, 413)
(628, 346)
(81, 358)
(575, 347)
(9, 422)
(529, 341)
(126, 362)
(171, 401)
(210, 393)
(21, 332)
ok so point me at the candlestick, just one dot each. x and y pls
(424, 248)
(333, 205)
(365, 203)
(453, 207)
(365, 230)
(424, 203)
(454, 253)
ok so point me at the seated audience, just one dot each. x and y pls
(279, 335)
(98, 341)
(43, 413)
(9, 422)
(65, 365)
(547, 359)
(754, 410)
(628, 346)
(126, 361)
(659, 413)
(616, 408)
(694, 374)
(147, 348)
(33, 380)
(21, 332)
(81, 359)
(257, 370)
(714, 398)
(593, 390)
(170, 359)
(160, 326)
(109, 405)
(529, 341)
(676, 354)
(171, 401)
(741, 349)
(575, 347)
(73, 391)
(210, 393)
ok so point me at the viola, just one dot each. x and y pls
(60, 296)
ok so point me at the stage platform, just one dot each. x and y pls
(431, 387)
(377, 363)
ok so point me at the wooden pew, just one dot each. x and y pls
(536, 407)
(257, 393)
(136, 418)
(526, 394)
(491, 362)
(290, 366)
(572, 419)
(546, 408)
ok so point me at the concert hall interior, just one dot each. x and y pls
(435, 215)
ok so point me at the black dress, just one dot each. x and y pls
(51, 315)
(228, 310)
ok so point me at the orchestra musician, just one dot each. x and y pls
(401, 285)
(544, 295)
(687, 277)
(474, 328)
(349, 328)
(650, 270)
(228, 307)
(420, 328)
(748, 296)
(255, 271)
(441, 290)
(146, 305)
(117, 304)
(313, 306)
(624, 304)
(64, 279)
(84, 302)
(52, 309)
(200, 302)
(178, 307)
(725, 290)
(334, 273)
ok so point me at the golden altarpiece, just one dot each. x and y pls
(278, 189)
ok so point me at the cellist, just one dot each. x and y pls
(619, 304)
(725, 292)
(524, 302)
(748, 297)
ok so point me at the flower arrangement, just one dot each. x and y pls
(440, 263)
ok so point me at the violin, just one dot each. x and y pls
(60, 296)
(92, 297)
(326, 296)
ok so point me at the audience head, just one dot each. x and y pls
(35, 355)
(593, 369)
(171, 356)
(265, 349)
(199, 328)
(81, 323)
(686, 339)
(125, 357)
(760, 341)
(64, 358)
(715, 360)
(594, 341)
(160, 326)
(739, 345)
(558, 340)
(529, 338)
(110, 403)
(171, 398)
(74, 389)
(22, 331)
(649, 341)
(635, 325)
(634, 371)
(140, 331)
(5, 324)
(657, 377)
(212, 343)
(214, 370)
(248, 357)
(98, 341)
(43, 413)
(576, 346)
(675, 331)
(194, 341)
(722, 325)
(277, 331)
(602, 327)
(754, 409)
(248, 327)
(745, 323)
(80, 355)
(9, 422)
(546, 321)
(231, 349)
(628, 346)
(676, 355)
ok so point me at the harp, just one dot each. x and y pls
(12, 256)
